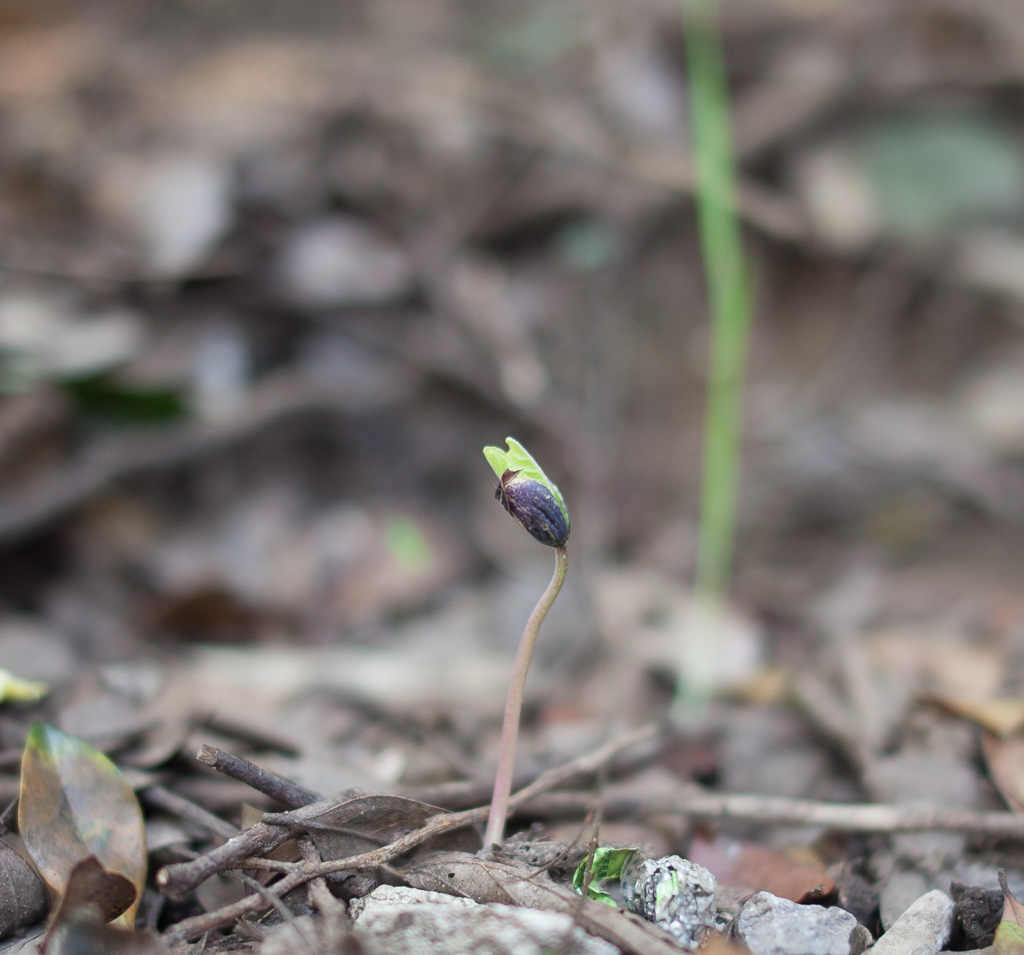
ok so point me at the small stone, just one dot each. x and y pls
(923, 929)
(340, 262)
(861, 939)
(900, 892)
(180, 205)
(676, 895)
(769, 925)
(414, 922)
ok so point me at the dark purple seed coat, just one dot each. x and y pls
(535, 507)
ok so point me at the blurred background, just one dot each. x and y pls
(272, 273)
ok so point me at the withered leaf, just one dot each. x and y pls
(1010, 933)
(74, 803)
(755, 867)
(368, 822)
(89, 884)
(84, 934)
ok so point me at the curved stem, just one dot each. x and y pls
(514, 704)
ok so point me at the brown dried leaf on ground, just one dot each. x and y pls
(758, 868)
(1005, 761)
(1001, 715)
(368, 822)
(1010, 933)
(93, 897)
(86, 934)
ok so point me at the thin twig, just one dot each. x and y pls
(782, 811)
(170, 876)
(8, 816)
(179, 878)
(278, 788)
(319, 894)
(185, 809)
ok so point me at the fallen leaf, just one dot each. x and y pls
(1003, 716)
(74, 803)
(1005, 761)
(718, 945)
(1010, 933)
(760, 868)
(89, 884)
(93, 897)
(86, 935)
(13, 689)
(368, 822)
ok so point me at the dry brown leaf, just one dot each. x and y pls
(719, 945)
(1005, 761)
(93, 896)
(74, 803)
(759, 868)
(1003, 716)
(1010, 933)
(365, 823)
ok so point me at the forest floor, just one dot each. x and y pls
(272, 274)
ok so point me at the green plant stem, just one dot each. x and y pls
(514, 704)
(730, 306)
(729, 300)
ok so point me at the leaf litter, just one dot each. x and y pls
(263, 301)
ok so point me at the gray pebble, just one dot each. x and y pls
(923, 929)
(415, 922)
(342, 261)
(900, 891)
(769, 925)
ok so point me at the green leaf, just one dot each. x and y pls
(407, 544)
(517, 458)
(74, 803)
(539, 37)
(13, 689)
(941, 168)
(104, 398)
(586, 244)
(606, 872)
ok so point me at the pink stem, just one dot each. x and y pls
(514, 704)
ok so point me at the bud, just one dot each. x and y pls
(527, 493)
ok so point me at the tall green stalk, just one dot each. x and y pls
(730, 309)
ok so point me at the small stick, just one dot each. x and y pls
(278, 788)
(198, 924)
(8, 817)
(179, 875)
(782, 811)
(179, 878)
(185, 809)
(319, 894)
